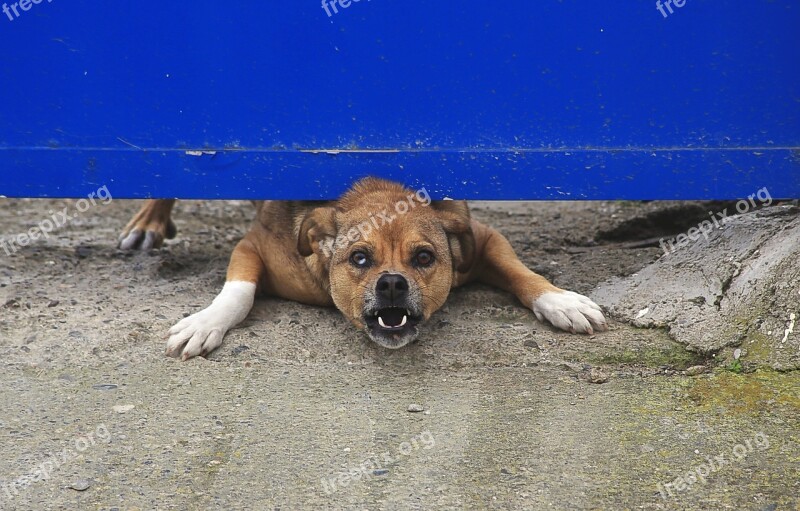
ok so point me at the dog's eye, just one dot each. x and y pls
(423, 258)
(359, 259)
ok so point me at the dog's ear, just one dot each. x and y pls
(455, 219)
(317, 232)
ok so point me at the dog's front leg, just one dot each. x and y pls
(499, 265)
(201, 333)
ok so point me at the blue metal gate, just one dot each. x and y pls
(689, 99)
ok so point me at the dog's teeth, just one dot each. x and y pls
(376, 314)
(381, 323)
(402, 323)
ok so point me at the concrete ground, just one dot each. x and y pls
(298, 410)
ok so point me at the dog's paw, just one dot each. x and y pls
(202, 333)
(197, 335)
(569, 311)
(149, 227)
(147, 239)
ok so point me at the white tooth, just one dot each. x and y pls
(381, 323)
(376, 313)
(404, 320)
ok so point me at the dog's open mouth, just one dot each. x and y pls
(392, 327)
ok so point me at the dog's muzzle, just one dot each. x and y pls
(392, 317)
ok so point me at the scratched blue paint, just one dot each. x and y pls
(519, 100)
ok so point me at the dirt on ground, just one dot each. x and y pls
(489, 409)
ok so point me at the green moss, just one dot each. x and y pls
(674, 355)
(756, 393)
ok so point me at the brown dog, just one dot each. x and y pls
(385, 256)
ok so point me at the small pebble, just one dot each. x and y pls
(239, 349)
(695, 370)
(597, 376)
(104, 386)
(380, 472)
(123, 408)
(80, 485)
(415, 408)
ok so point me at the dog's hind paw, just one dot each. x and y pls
(570, 311)
(146, 240)
(149, 227)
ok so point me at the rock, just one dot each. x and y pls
(104, 386)
(240, 349)
(531, 344)
(380, 472)
(415, 408)
(729, 274)
(597, 376)
(123, 408)
(695, 370)
(80, 485)
(83, 252)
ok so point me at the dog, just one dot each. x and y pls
(384, 255)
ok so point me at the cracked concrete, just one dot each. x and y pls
(738, 288)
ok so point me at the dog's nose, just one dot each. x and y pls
(392, 287)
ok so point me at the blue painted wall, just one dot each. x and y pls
(519, 100)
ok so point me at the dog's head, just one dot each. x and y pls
(390, 256)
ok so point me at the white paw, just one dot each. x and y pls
(202, 333)
(570, 311)
(199, 334)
